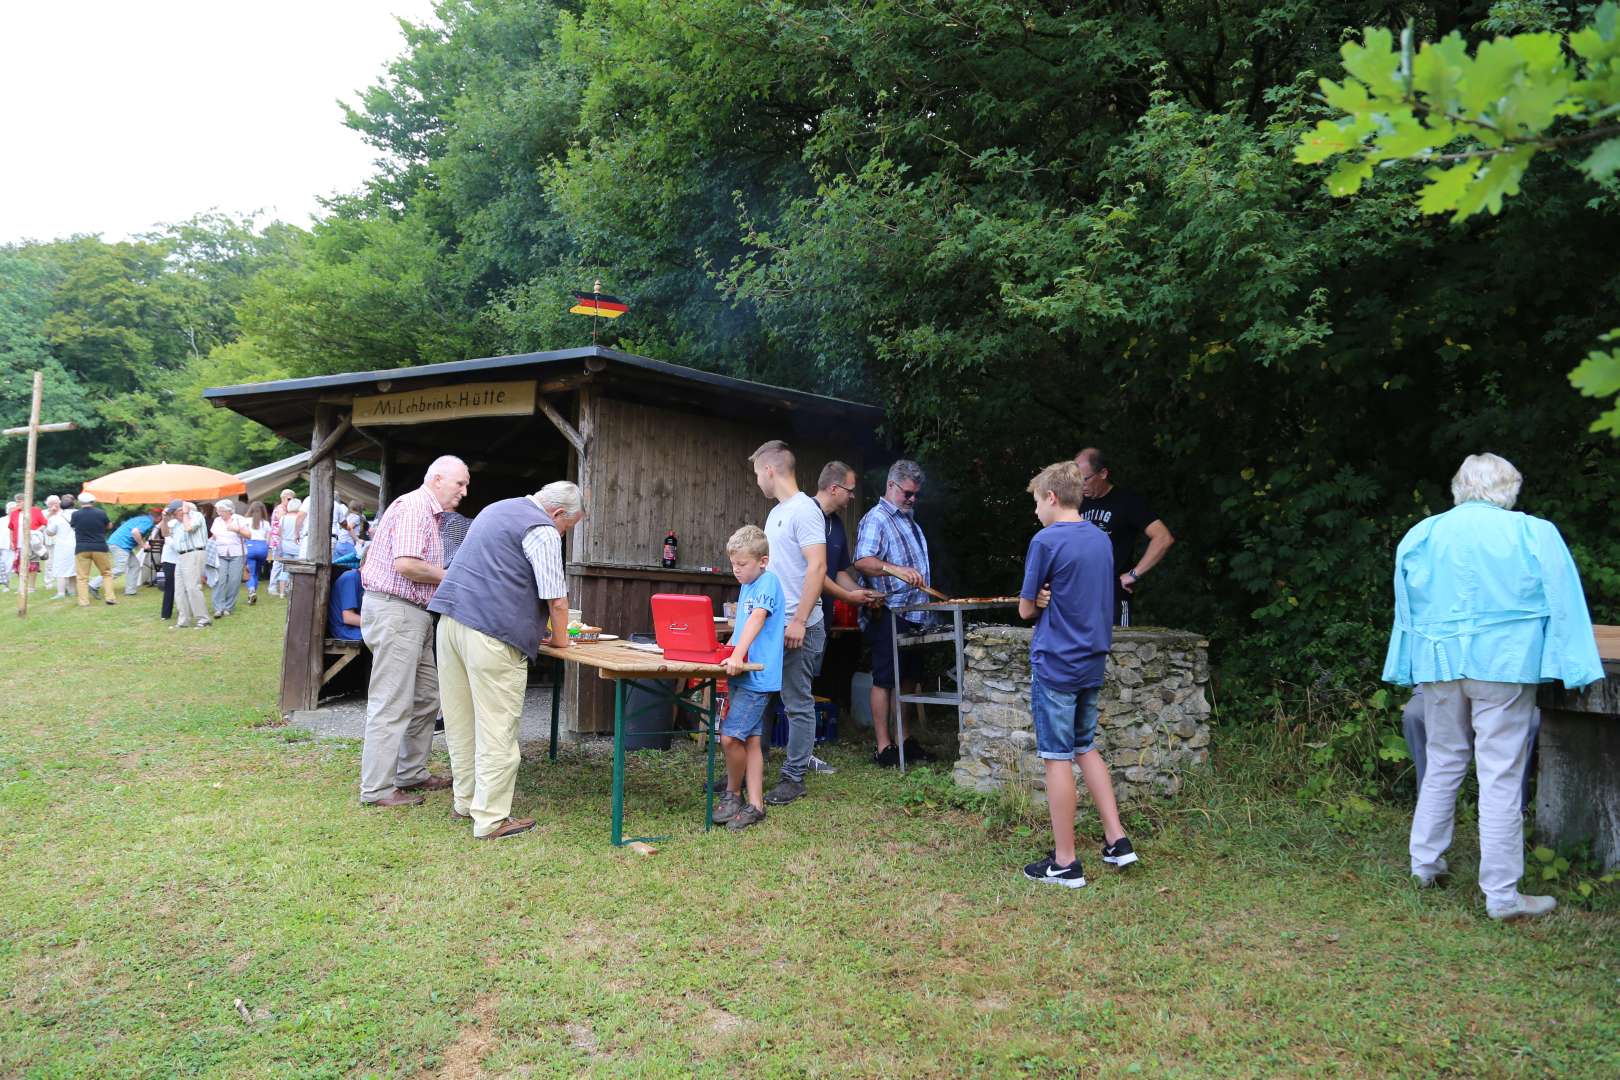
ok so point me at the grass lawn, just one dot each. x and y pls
(168, 849)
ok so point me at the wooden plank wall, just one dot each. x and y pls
(656, 469)
(620, 600)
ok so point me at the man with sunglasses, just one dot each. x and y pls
(891, 553)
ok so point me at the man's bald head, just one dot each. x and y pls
(447, 478)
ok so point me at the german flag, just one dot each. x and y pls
(598, 304)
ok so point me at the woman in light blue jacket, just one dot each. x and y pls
(1488, 605)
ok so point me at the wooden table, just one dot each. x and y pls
(618, 661)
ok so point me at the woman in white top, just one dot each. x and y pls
(8, 550)
(290, 545)
(229, 533)
(59, 528)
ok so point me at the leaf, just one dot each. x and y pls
(1498, 180)
(1544, 854)
(1376, 63)
(1437, 70)
(1601, 163)
(1349, 176)
(1598, 375)
(1446, 187)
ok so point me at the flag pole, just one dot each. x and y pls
(596, 313)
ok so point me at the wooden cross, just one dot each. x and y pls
(25, 511)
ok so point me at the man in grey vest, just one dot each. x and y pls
(506, 578)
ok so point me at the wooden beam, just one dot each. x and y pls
(322, 488)
(330, 443)
(568, 431)
(42, 428)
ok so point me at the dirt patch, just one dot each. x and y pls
(464, 1058)
(580, 1036)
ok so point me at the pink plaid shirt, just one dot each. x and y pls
(410, 527)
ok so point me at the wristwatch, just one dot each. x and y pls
(1134, 576)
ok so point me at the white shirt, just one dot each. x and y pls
(791, 527)
(543, 548)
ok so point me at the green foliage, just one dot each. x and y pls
(1486, 117)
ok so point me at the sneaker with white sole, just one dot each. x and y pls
(1119, 853)
(817, 765)
(1048, 872)
(1522, 907)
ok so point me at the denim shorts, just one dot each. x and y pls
(745, 713)
(1065, 723)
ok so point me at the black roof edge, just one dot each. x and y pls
(218, 394)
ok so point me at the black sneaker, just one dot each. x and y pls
(785, 792)
(1048, 872)
(1119, 853)
(888, 757)
(915, 752)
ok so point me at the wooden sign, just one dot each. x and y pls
(460, 402)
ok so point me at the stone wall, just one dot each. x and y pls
(1153, 719)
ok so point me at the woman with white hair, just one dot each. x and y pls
(59, 529)
(229, 533)
(1488, 605)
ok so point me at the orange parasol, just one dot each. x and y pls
(160, 483)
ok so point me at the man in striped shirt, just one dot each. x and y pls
(400, 575)
(507, 577)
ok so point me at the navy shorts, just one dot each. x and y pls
(745, 713)
(1065, 723)
(879, 634)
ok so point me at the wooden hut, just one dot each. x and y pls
(655, 447)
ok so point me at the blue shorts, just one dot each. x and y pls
(1065, 723)
(745, 713)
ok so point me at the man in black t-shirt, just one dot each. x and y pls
(1123, 516)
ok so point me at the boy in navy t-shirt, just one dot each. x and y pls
(761, 624)
(1069, 587)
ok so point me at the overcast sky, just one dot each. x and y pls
(118, 116)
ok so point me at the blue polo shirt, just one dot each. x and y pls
(124, 535)
(347, 593)
(1073, 635)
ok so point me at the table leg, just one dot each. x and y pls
(618, 762)
(556, 706)
(708, 785)
(899, 688)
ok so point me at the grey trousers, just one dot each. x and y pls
(130, 564)
(799, 700)
(188, 591)
(403, 699)
(229, 583)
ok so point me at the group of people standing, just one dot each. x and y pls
(493, 598)
(205, 555)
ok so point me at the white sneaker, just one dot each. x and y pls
(1432, 878)
(1522, 907)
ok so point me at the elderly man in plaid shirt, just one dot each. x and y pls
(401, 573)
(891, 553)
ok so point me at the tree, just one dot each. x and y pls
(1482, 120)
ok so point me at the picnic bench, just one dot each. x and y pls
(619, 661)
(1578, 775)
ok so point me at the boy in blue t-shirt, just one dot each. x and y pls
(761, 621)
(1069, 586)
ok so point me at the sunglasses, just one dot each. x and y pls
(908, 494)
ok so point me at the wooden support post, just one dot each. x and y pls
(388, 470)
(322, 490)
(330, 443)
(549, 411)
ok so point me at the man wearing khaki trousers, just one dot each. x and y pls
(493, 602)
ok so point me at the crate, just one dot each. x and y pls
(826, 721)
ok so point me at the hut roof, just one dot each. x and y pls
(287, 406)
